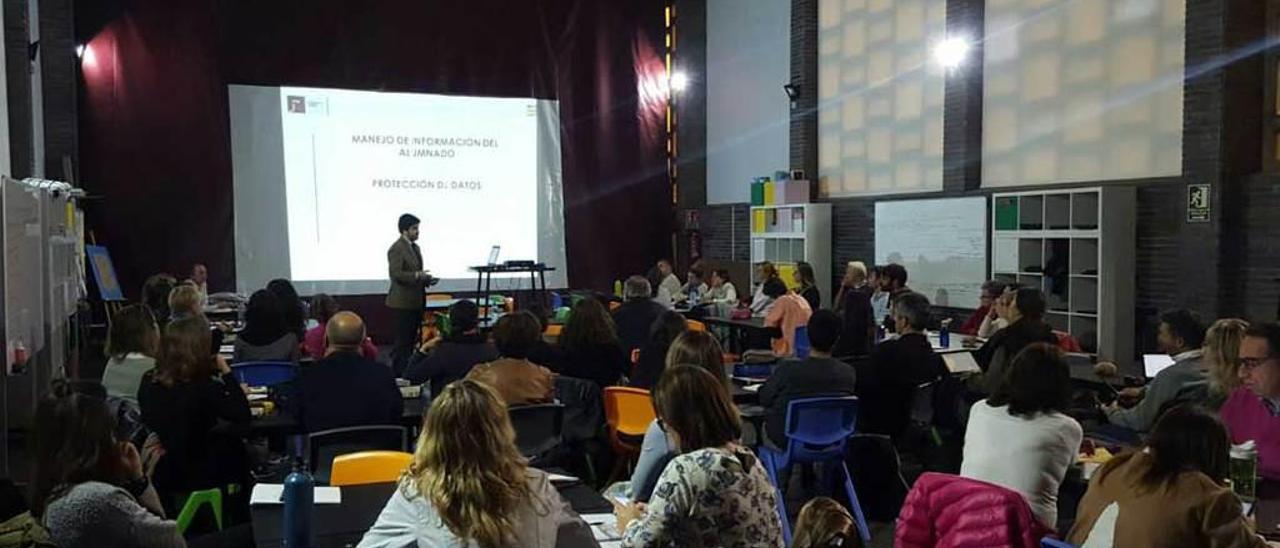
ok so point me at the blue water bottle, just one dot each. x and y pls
(299, 494)
(944, 334)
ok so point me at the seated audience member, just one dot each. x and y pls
(474, 489)
(896, 368)
(1253, 410)
(661, 295)
(722, 290)
(1168, 493)
(1222, 360)
(788, 312)
(667, 280)
(185, 302)
(324, 307)
(461, 350)
(879, 297)
(132, 343)
(715, 491)
(893, 280)
(636, 315)
(807, 284)
(817, 375)
(854, 306)
(1180, 335)
(590, 348)
(265, 337)
(992, 290)
(347, 389)
(760, 302)
(1019, 437)
(698, 348)
(543, 353)
(292, 309)
(997, 318)
(155, 296)
(823, 523)
(1026, 326)
(693, 289)
(194, 404)
(200, 278)
(88, 488)
(516, 379)
(653, 355)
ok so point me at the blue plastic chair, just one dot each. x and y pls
(1047, 542)
(817, 431)
(264, 373)
(802, 342)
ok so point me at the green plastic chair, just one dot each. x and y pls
(212, 497)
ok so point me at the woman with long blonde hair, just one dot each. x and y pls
(468, 485)
(1222, 356)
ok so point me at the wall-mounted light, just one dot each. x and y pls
(79, 51)
(679, 81)
(793, 93)
(951, 53)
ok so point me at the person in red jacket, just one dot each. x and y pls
(945, 511)
(991, 291)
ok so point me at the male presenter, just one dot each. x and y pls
(405, 297)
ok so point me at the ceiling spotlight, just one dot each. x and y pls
(950, 53)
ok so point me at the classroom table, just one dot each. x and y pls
(342, 525)
(735, 326)
(284, 424)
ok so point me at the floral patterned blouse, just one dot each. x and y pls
(711, 498)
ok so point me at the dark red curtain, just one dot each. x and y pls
(154, 121)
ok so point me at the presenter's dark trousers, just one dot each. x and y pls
(407, 324)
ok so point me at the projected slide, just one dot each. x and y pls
(320, 205)
(943, 244)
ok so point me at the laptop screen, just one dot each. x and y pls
(1155, 363)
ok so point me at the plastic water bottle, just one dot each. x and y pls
(617, 288)
(1244, 470)
(299, 495)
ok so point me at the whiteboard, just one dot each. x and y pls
(942, 242)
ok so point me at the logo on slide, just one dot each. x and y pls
(298, 104)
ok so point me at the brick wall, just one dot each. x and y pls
(1227, 267)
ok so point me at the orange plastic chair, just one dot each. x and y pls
(627, 412)
(369, 467)
(695, 325)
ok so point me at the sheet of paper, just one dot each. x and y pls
(603, 526)
(272, 493)
(561, 478)
(752, 387)
(961, 362)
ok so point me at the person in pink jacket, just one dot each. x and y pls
(1252, 412)
(945, 511)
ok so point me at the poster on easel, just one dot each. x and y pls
(104, 273)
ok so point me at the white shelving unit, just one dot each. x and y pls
(1077, 245)
(786, 234)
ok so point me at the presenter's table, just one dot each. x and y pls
(537, 278)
